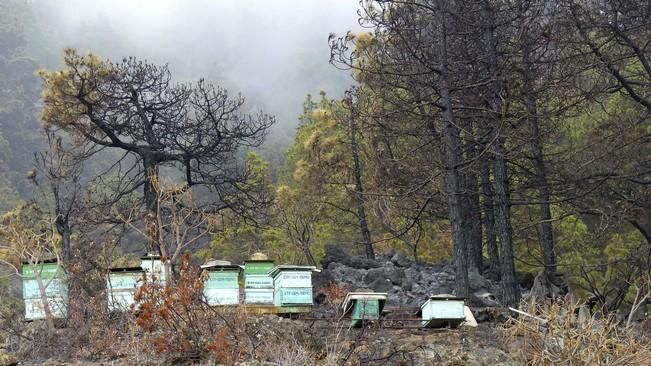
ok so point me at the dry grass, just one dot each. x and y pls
(554, 335)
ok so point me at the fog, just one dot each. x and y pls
(273, 52)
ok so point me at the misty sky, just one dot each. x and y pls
(274, 52)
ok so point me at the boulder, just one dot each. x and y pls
(476, 281)
(412, 275)
(381, 285)
(374, 274)
(484, 298)
(351, 275)
(525, 279)
(361, 262)
(334, 254)
(400, 260)
(397, 275)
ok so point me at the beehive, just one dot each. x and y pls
(153, 266)
(222, 285)
(442, 310)
(258, 284)
(52, 278)
(121, 287)
(364, 306)
(292, 285)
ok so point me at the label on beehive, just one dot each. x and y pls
(258, 267)
(45, 271)
(53, 287)
(124, 280)
(258, 281)
(225, 280)
(294, 279)
(259, 296)
(215, 297)
(295, 296)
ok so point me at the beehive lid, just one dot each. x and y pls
(125, 269)
(220, 265)
(286, 267)
(150, 257)
(351, 297)
(42, 261)
(439, 297)
(445, 297)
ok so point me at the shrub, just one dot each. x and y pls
(177, 324)
(554, 334)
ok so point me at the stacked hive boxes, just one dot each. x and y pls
(47, 276)
(222, 285)
(258, 284)
(292, 285)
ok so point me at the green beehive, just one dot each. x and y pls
(52, 278)
(121, 286)
(222, 285)
(258, 284)
(443, 310)
(364, 306)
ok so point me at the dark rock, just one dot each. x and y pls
(351, 275)
(320, 298)
(406, 286)
(484, 299)
(524, 279)
(444, 290)
(493, 276)
(448, 269)
(397, 276)
(374, 274)
(476, 281)
(361, 262)
(549, 287)
(335, 253)
(412, 275)
(401, 260)
(381, 285)
(321, 279)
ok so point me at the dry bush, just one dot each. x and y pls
(554, 335)
(335, 293)
(288, 352)
(176, 324)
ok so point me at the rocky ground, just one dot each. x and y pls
(407, 283)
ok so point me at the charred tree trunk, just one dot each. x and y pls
(510, 292)
(473, 220)
(359, 188)
(150, 194)
(488, 219)
(62, 225)
(452, 154)
(542, 184)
